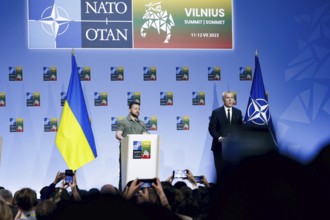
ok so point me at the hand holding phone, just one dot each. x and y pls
(198, 179)
(146, 183)
(180, 174)
(68, 179)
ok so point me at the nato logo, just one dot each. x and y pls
(63, 97)
(141, 149)
(100, 98)
(150, 123)
(214, 74)
(245, 73)
(50, 73)
(133, 97)
(137, 145)
(16, 124)
(137, 149)
(182, 123)
(258, 112)
(117, 73)
(166, 98)
(15, 73)
(79, 24)
(182, 74)
(32, 99)
(149, 74)
(198, 98)
(84, 73)
(114, 122)
(2, 99)
(50, 124)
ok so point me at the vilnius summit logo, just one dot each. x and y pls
(158, 19)
(80, 24)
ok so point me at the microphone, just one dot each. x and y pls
(138, 121)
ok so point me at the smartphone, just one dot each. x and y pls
(146, 183)
(180, 174)
(198, 179)
(68, 176)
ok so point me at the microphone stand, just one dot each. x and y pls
(138, 121)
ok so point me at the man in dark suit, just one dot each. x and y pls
(224, 121)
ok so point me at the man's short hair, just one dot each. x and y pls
(109, 189)
(225, 92)
(26, 199)
(133, 103)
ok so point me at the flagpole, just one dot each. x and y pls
(270, 130)
(273, 137)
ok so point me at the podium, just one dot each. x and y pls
(139, 157)
(249, 142)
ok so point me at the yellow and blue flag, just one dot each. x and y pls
(257, 111)
(75, 139)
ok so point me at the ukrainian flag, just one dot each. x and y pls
(75, 139)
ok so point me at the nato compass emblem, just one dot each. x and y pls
(54, 20)
(258, 112)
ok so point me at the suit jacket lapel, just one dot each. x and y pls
(224, 116)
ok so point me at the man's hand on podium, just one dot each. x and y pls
(220, 139)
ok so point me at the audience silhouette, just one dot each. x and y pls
(262, 186)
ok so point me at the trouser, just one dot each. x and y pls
(218, 163)
(119, 184)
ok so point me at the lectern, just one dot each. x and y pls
(139, 157)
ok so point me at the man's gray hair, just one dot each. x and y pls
(225, 92)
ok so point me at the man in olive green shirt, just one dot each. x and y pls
(130, 125)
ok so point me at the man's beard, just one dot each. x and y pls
(134, 115)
